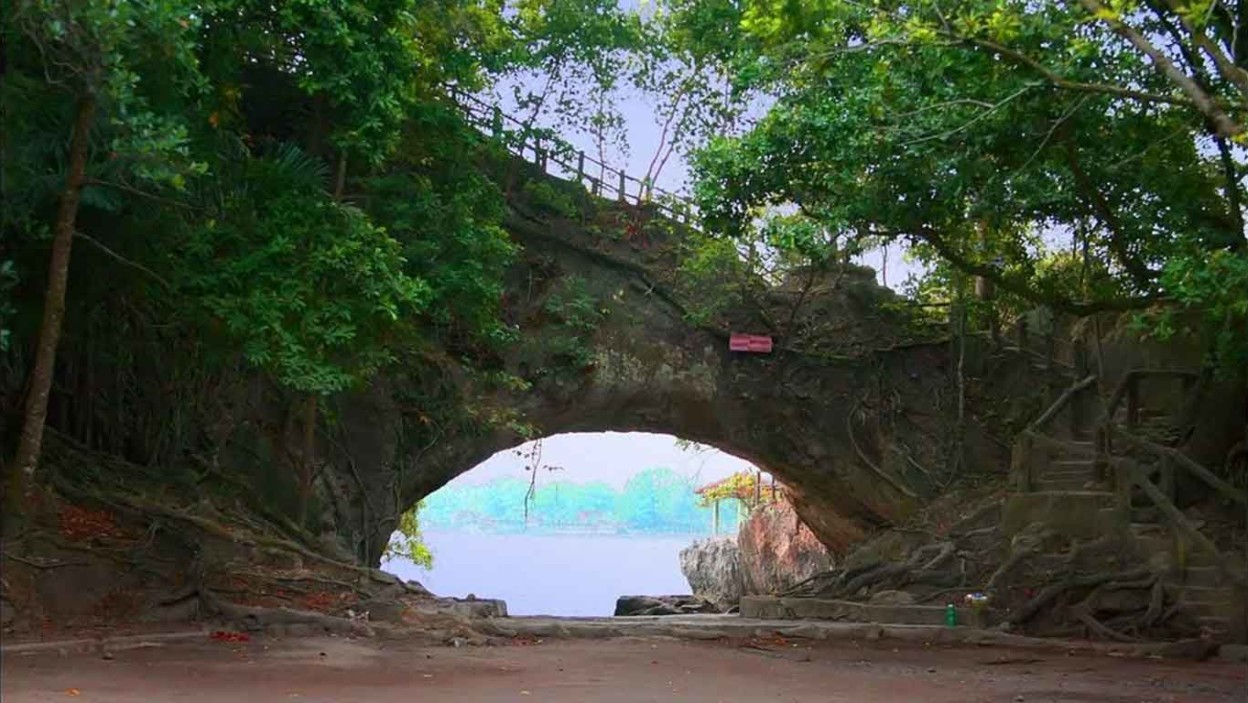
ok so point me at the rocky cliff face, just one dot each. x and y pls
(778, 550)
(773, 551)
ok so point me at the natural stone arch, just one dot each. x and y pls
(859, 437)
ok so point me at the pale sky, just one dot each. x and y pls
(643, 131)
(610, 457)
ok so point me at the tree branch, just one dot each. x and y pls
(1021, 288)
(1139, 273)
(1201, 100)
(1226, 68)
(1064, 83)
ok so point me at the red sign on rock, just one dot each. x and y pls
(751, 343)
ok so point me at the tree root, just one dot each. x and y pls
(1052, 592)
(256, 619)
(1095, 626)
(1157, 600)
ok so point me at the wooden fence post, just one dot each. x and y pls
(622, 186)
(1133, 402)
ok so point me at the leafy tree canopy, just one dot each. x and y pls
(1082, 155)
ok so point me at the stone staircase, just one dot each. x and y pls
(1192, 577)
(1063, 480)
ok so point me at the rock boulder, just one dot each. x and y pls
(777, 550)
(662, 605)
(713, 569)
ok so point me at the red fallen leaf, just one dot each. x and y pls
(223, 636)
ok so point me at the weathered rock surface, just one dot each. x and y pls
(713, 569)
(662, 605)
(778, 550)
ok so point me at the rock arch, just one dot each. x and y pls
(857, 425)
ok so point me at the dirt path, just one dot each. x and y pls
(607, 671)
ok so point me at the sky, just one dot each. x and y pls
(643, 130)
(610, 457)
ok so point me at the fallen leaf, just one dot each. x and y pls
(73, 692)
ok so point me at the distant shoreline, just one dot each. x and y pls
(547, 532)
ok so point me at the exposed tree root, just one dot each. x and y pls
(256, 619)
(1095, 626)
(1052, 592)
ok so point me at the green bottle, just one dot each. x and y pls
(951, 616)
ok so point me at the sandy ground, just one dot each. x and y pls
(619, 670)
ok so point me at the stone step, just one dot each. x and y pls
(1206, 595)
(1201, 577)
(1219, 625)
(1200, 610)
(1066, 476)
(1145, 515)
(1195, 559)
(787, 608)
(1072, 485)
(1148, 528)
(1084, 464)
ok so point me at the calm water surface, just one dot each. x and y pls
(550, 574)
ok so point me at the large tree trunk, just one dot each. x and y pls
(31, 444)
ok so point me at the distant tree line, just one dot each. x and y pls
(655, 501)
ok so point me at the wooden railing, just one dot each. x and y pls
(1128, 389)
(559, 159)
(1170, 459)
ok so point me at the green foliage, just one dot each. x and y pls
(1205, 283)
(986, 136)
(8, 280)
(134, 61)
(308, 288)
(742, 486)
(545, 196)
(712, 274)
(575, 314)
(406, 542)
(447, 215)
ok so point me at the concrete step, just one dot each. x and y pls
(1205, 610)
(1202, 561)
(1066, 476)
(1201, 577)
(786, 608)
(1153, 533)
(1207, 595)
(1072, 485)
(1219, 625)
(1078, 449)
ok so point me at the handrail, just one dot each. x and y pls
(491, 120)
(1225, 489)
(1133, 376)
(1062, 401)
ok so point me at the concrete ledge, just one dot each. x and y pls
(712, 627)
(709, 627)
(781, 608)
(103, 644)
